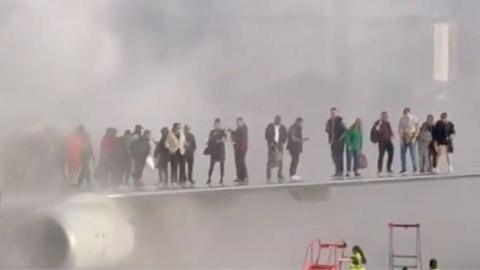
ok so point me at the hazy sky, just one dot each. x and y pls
(118, 63)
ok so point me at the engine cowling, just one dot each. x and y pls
(86, 231)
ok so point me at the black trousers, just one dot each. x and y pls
(212, 166)
(240, 164)
(294, 163)
(126, 170)
(382, 148)
(177, 163)
(163, 170)
(338, 149)
(139, 166)
(189, 160)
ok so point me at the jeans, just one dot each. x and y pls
(274, 160)
(410, 146)
(382, 148)
(294, 163)
(352, 155)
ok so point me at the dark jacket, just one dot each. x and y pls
(240, 138)
(442, 132)
(161, 152)
(270, 134)
(295, 139)
(140, 149)
(190, 145)
(385, 132)
(335, 129)
(216, 144)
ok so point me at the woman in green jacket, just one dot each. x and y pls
(354, 142)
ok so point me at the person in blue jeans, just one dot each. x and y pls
(408, 129)
(354, 141)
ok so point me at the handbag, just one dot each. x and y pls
(362, 161)
(207, 151)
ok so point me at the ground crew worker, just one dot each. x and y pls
(355, 264)
(358, 259)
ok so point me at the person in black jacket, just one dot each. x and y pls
(162, 155)
(124, 156)
(276, 137)
(335, 129)
(240, 147)
(216, 150)
(295, 146)
(382, 134)
(190, 147)
(140, 149)
(442, 135)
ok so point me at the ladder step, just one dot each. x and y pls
(408, 266)
(406, 256)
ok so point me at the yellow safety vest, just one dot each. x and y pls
(360, 265)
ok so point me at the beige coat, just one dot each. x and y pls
(173, 144)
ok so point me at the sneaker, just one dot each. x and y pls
(221, 182)
(347, 175)
(403, 171)
(450, 169)
(295, 178)
(435, 171)
(209, 182)
(357, 174)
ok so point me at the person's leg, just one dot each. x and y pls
(174, 168)
(181, 164)
(222, 171)
(340, 156)
(355, 155)
(280, 163)
(381, 155)
(334, 157)
(237, 158)
(243, 163)
(403, 155)
(190, 163)
(413, 155)
(390, 154)
(294, 164)
(349, 161)
(210, 170)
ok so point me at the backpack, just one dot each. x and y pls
(374, 134)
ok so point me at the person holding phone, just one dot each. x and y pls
(295, 146)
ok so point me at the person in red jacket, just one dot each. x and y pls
(240, 147)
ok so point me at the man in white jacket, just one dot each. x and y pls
(175, 143)
(408, 129)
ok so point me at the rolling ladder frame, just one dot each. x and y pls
(418, 251)
(334, 260)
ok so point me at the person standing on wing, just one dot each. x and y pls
(408, 130)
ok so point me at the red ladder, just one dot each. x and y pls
(392, 256)
(335, 255)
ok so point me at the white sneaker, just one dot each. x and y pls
(296, 178)
(450, 169)
(435, 170)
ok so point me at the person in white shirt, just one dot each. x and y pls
(276, 137)
(408, 130)
(175, 143)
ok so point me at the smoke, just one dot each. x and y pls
(118, 63)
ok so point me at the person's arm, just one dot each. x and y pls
(194, 143)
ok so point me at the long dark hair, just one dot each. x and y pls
(357, 249)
